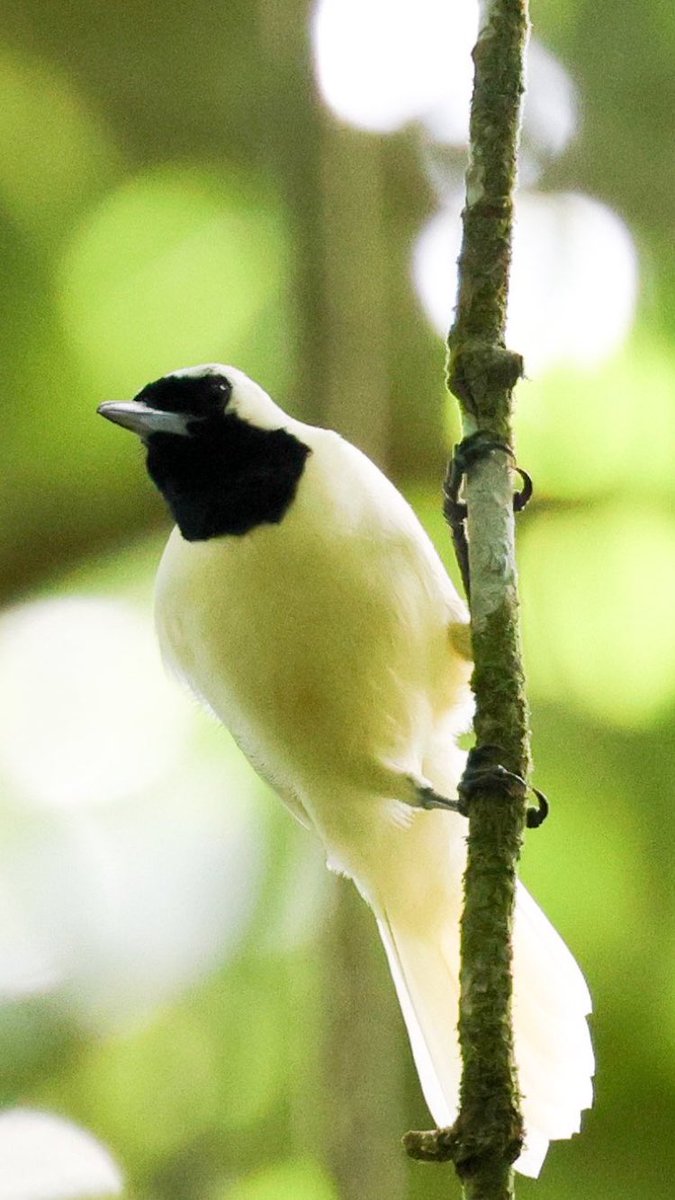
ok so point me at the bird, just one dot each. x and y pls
(302, 602)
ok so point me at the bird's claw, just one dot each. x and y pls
(536, 816)
(483, 771)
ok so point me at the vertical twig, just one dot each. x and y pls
(482, 374)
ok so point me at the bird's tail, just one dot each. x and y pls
(551, 1001)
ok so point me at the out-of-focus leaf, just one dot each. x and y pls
(206, 1068)
(294, 1180)
(581, 434)
(55, 152)
(588, 864)
(598, 610)
(171, 269)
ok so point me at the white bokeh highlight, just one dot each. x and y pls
(86, 712)
(382, 65)
(574, 279)
(130, 906)
(132, 852)
(45, 1157)
(551, 109)
(27, 967)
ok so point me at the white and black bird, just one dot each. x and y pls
(303, 603)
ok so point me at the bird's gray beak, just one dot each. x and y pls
(143, 420)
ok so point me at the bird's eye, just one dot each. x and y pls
(208, 397)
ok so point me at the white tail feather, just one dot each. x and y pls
(551, 1001)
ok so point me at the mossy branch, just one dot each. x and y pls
(487, 1136)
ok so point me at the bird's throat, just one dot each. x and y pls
(228, 478)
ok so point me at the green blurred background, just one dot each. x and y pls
(277, 185)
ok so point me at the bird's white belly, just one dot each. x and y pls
(318, 675)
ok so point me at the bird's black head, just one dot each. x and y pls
(217, 449)
(202, 397)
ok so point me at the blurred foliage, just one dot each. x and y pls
(173, 190)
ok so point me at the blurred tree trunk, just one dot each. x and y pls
(363, 1059)
(340, 289)
(290, 144)
(363, 1065)
(355, 397)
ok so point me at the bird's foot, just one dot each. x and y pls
(482, 771)
(467, 452)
